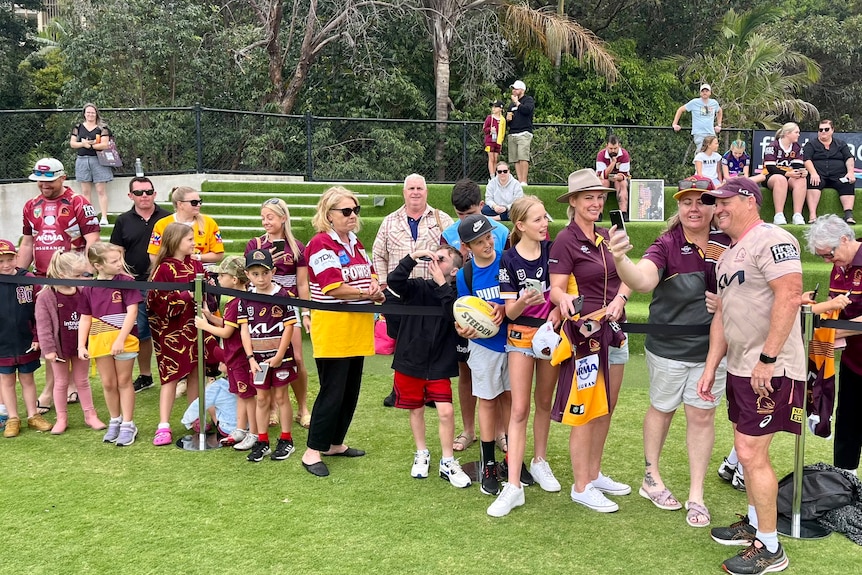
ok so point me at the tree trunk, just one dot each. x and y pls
(274, 53)
(441, 83)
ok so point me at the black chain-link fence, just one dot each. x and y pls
(198, 139)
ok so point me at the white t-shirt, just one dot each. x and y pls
(711, 162)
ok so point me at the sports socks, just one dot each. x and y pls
(286, 435)
(752, 516)
(487, 452)
(769, 540)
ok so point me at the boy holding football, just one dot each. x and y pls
(426, 355)
(487, 356)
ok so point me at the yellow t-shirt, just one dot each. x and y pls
(207, 240)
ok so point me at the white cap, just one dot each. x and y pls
(47, 170)
(519, 85)
(545, 341)
(705, 87)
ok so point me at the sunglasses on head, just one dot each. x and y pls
(40, 173)
(194, 203)
(139, 193)
(826, 129)
(347, 211)
(502, 171)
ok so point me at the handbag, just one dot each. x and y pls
(110, 156)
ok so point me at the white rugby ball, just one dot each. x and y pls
(471, 311)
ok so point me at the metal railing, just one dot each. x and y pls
(199, 139)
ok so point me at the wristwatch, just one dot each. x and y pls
(767, 359)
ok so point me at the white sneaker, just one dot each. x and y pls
(451, 471)
(234, 437)
(508, 499)
(420, 464)
(594, 499)
(541, 472)
(247, 442)
(104, 221)
(798, 220)
(726, 470)
(607, 485)
(779, 219)
(738, 480)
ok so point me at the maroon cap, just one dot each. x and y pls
(739, 186)
(7, 247)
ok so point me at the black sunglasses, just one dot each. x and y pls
(826, 129)
(194, 203)
(139, 193)
(40, 173)
(502, 171)
(347, 211)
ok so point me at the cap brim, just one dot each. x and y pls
(565, 197)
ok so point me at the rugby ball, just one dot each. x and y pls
(471, 311)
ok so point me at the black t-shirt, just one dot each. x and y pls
(82, 133)
(828, 163)
(522, 117)
(133, 233)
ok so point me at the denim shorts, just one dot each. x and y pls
(619, 355)
(24, 368)
(88, 169)
(142, 321)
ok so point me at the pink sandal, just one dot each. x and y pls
(163, 437)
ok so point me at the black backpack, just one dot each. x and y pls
(822, 490)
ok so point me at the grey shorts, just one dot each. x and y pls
(490, 371)
(673, 383)
(519, 147)
(88, 169)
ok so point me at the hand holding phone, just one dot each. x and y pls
(260, 376)
(533, 285)
(617, 220)
(278, 246)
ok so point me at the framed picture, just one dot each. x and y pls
(646, 200)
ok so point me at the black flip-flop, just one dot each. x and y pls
(42, 409)
(318, 469)
(349, 452)
(73, 397)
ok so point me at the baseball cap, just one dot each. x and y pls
(705, 87)
(518, 85)
(473, 227)
(497, 104)
(47, 170)
(7, 247)
(545, 341)
(231, 266)
(259, 258)
(738, 186)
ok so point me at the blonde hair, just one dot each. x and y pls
(786, 129)
(328, 200)
(99, 251)
(738, 145)
(518, 213)
(279, 208)
(179, 194)
(66, 265)
(171, 239)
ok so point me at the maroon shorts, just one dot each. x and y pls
(496, 148)
(781, 410)
(239, 381)
(277, 377)
(413, 393)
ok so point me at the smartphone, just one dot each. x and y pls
(533, 284)
(617, 220)
(814, 293)
(278, 246)
(260, 376)
(59, 360)
(424, 258)
(843, 180)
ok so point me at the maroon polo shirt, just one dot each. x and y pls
(845, 280)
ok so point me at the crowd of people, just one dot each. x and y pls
(559, 352)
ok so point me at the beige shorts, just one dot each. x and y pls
(519, 147)
(673, 383)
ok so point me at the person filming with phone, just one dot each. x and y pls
(613, 166)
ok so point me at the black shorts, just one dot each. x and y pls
(843, 188)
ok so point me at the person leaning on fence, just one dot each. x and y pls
(706, 114)
(519, 118)
(339, 271)
(830, 162)
(19, 346)
(756, 325)
(832, 239)
(581, 251)
(132, 231)
(89, 137)
(678, 268)
(426, 356)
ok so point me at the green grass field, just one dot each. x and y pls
(75, 505)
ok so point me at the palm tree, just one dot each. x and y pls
(522, 26)
(754, 71)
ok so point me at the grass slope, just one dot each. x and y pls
(74, 505)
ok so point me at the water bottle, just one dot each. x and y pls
(139, 168)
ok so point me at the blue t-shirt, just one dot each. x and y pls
(500, 233)
(736, 166)
(486, 286)
(703, 116)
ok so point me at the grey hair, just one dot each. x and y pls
(415, 176)
(826, 233)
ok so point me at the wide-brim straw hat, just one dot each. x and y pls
(584, 180)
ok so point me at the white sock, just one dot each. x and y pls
(732, 458)
(740, 470)
(752, 516)
(117, 419)
(769, 540)
(3, 410)
(447, 459)
(164, 426)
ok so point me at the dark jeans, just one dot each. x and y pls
(489, 211)
(333, 410)
(848, 424)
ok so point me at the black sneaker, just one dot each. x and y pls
(740, 533)
(259, 451)
(490, 483)
(143, 382)
(283, 449)
(526, 477)
(756, 559)
(389, 400)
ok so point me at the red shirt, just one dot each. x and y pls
(58, 225)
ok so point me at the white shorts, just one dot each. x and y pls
(673, 383)
(490, 371)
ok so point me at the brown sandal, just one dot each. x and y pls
(462, 442)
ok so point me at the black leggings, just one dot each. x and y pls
(848, 423)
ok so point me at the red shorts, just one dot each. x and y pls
(277, 377)
(781, 410)
(413, 393)
(239, 381)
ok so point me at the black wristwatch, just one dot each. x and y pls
(766, 359)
